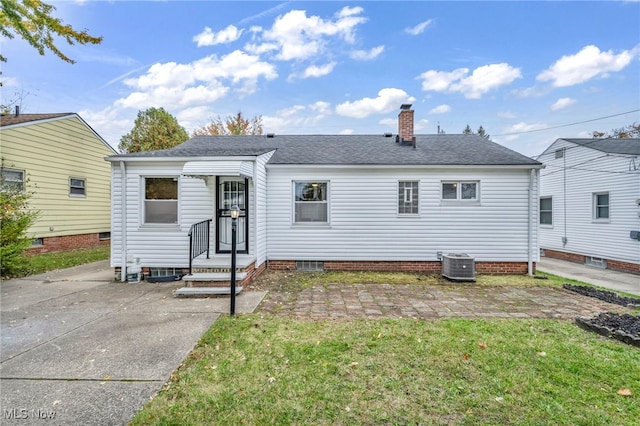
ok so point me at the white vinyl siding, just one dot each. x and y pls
(260, 210)
(590, 172)
(365, 224)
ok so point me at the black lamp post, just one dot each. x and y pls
(235, 212)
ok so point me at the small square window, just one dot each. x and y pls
(408, 197)
(161, 200)
(310, 202)
(13, 179)
(77, 187)
(559, 153)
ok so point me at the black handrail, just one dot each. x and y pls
(198, 241)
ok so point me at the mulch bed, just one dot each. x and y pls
(607, 296)
(623, 327)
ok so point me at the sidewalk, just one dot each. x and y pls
(613, 280)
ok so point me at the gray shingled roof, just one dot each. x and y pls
(9, 119)
(629, 146)
(348, 150)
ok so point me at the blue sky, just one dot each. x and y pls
(525, 71)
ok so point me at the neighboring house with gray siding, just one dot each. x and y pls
(590, 202)
(366, 202)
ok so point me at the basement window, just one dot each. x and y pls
(310, 265)
(164, 272)
(598, 262)
(37, 242)
(104, 236)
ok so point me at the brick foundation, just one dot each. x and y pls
(614, 265)
(428, 267)
(69, 242)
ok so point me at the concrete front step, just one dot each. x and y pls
(213, 276)
(205, 291)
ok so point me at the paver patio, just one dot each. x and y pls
(337, 301)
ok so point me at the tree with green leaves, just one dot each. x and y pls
(626, 132)
(481, 132)
(32, 20)
(233, 125)
(15, 220)
(153, 129)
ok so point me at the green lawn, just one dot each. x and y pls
(260, 369)
(40, 263)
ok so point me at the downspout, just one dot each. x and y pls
(531, 216)
(123, 195)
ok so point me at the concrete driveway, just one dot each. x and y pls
(79, 348)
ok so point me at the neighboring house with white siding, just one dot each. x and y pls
(60, 159)
(590, 202)
(332, 202)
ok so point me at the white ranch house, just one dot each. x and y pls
(332, 202)
(590, 202)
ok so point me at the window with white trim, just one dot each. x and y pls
(460, 190)
(77, 187)
(546, 210)
(161, 200)
(311, 202)
(14, 179)
(601, 206)
(408, 197)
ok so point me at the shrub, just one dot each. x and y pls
(15, 220)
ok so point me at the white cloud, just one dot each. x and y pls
(296, 119)
(418, 29)
(562, 103)
(386, 101)
(512, 132)
(482, 80)
(318, 71)
(506, 114)
(590, 62)
(296, 36)
(201, 81)
(420, 124)
(209, 38)
(440, 109)
(346, 132)
(366, 55)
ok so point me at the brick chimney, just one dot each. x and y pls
(405, 123)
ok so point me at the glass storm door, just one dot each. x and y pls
(232, 191)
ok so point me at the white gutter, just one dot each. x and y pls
(531, 216)
(123, 206)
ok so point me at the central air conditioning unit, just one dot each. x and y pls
(458, 267)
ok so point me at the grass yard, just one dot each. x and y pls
(40, 263)
(260, 369)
